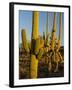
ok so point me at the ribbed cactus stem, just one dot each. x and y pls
(24, 41)
(47, 26)
(60, 31)
(47, 31)
(35, 33)
(53, 33)
(34, 66)
(34, 45)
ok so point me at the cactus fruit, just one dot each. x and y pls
(24, 41)
(34, 66)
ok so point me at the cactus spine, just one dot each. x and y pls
(34, 48)
(24, 41)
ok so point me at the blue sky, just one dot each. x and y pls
(25, 21)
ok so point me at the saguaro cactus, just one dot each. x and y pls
(34, 30)
(56, 55)
(24, 41)
(60, 32)
(53, 32)
(53, 38)
(47, 31)
(34, 48)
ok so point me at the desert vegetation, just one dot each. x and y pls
(41, 57)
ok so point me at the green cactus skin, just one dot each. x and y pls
(53, 32)
(24, 41)
(34, 46)
(60, 32)
(46, 41)
(37, 46)
(35, 33)
(34, 66)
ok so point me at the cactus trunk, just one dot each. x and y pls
(34, 46)
(37, 46)
(35, 33)
(34, 66)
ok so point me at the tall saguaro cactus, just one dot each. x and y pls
(53, 33)
(53, 37)
(55, 54)
(60, 32)
(34, 47)
(47, 31)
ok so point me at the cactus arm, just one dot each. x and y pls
(40, 53)
(53, 32)
(47, 32)
(24, 41)
(60, 32)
